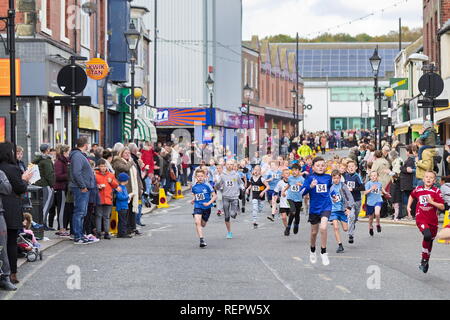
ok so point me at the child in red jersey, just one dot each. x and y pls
(429, 200)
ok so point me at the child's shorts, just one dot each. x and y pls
(205, 213)
(270, 194)
(316, 218)
(285, 210)
(339, 215)
(370, 210)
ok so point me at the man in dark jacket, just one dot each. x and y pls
(47, 172)
(82, 180)
(407, 177)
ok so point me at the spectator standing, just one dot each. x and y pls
(82, 181)
(61, 188)
(19, 154)
(47, 181)
(382, 167)
(13, 203)
(407, 176)
(5, 272)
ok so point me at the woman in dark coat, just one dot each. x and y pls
(13, 203)
(407, 177)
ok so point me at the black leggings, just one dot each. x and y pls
(12, 249)
(294, 212)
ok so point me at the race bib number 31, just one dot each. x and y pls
(423, 200)
(321, 188)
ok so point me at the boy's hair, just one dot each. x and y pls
(373, 172)
(197, 172)
(351, 161)
(28, 218)
(286, 170)
(317, 159)
(295, 166)
(430, 171)
(336, 173)
(102, 162)
(308, 157)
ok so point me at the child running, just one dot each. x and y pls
(273, 176)
(429, 200)
(282, 199)
(356, 186)
(231, 185)
(318, 185)
(342, 206)
(374, 200)
(204, 197)
(294, 198)
(259, 187)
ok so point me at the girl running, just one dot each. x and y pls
(282, 199)
(295, 198)
(259, 187)
(374, 200)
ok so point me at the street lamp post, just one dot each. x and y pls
(210, 85)
(248, 94)
(375, 62)
(132, 37)
(294, 107)
(301, 100)
(361, 96)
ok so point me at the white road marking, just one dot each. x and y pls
(10, 295)
(324, 277)
(297, 258)
(284, 283)
(343, 289)
(308, 266)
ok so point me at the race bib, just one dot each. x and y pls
(376, 191)
(199, 196)
(277, 177)
(295, 188)
(337, 198)
(321, 188)
(255, 188)
(423, 200)
(351, 184)
(229, 183)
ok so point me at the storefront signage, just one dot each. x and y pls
(182, 117)
(5, 88)
(97, 69)
(89, 118)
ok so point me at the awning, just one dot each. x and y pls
(145, 130)
(418, 127)
(402, 130)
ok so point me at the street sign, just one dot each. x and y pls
(307, 107)
(399, 83)
(66, 101)
(65, 83)
(244, 109)
(431, 85)
(433, 103)
(97, 69)
(137, 102)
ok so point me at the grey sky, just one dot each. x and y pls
(270, 17)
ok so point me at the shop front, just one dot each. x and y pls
(89, 123)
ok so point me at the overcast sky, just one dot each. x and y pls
(270, 17)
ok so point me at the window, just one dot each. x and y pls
(45, 17)
(85, 28)
(251, 74)
(245, 72)
(64, 17)
(256, 76)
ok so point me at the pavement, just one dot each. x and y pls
(262, 264)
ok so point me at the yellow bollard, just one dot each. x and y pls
(162, 199)
(178, 194)
(444, 224)
(362, 212)
(114, 222)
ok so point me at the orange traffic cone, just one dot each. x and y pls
(162, 199)
(114, 222)
(178, 193)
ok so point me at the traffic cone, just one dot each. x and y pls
(178, 194)
(444, 224)
(362, 212)
(114, 222)
(162, 199)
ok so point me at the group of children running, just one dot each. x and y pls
(329, 192)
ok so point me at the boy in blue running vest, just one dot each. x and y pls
(273, 176)
(342, 206)
(374, 200)
(204, 197)
(318, 185)
(294, 197)
(356, 186)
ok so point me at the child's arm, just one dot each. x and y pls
(193, 199)
(265, 190)
(438, 205)
(213, 198)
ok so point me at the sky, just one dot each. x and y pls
(307, 17)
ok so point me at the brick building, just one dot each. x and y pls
(48, 33)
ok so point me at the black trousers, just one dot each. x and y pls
(12, 249)
(68, 213)
(131, 219)
(294, 213)
(123, 222)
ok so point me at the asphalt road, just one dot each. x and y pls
(167, 263)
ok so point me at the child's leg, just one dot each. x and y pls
(255, 205)
(377, 214)
(427, 244)
(291, 213)
(198, 225)
(344, 226)
(274, 205)
(323, 231)
(298, 207)
(106, 217)
(227, 212)
(336, 231)
(371, 221)
(351, 223)
(314, 232)
(396, 210)
(284, 219)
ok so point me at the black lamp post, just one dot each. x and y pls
(375, 62)
(210, 85)
(295, 111)
(10, 47)
(132, 36)
(361, 98)
(301, 100)
(248, 94)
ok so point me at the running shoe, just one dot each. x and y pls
(312, 257)
(340, 249)
(295, 228)
(92, 238)
(255, 225)
(325, 260)
(350, 239)
(424, 265)
(371, 231)
(82, 241)
(202, 243)
(378, 228)
(271, 218)
(230, 235)
(287, 231)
